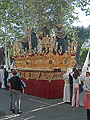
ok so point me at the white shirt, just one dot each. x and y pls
(87, 84)
(76, 81)
(83, 76)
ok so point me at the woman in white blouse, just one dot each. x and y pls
(76, 82)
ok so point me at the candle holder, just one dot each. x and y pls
(56, 43)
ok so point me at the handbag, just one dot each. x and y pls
(81, 87)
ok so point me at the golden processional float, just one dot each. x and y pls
(45, 66)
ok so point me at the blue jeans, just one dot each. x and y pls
(16, 99)
(88, 114)
(11, 100)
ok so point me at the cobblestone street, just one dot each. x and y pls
(36, 108)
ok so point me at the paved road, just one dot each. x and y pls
(36, 108)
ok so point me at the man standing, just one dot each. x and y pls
(71, 84)
(5, 78)
(16, 86)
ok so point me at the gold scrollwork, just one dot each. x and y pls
(36, 75)
(27, 75)
(50, 76)
(57, 76)
(43, 76)
(22, 75)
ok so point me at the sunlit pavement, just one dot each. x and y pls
(36, 108)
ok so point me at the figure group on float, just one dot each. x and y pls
(30, 42)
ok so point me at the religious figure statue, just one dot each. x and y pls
(33, 40)
(24, 42)
(61, 35)
(29, 41)
(45, 33)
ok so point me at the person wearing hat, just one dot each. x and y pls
(61, 35)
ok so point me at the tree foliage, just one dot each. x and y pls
(83, 54)
(18, 16)
(81, 35)
(29, 13)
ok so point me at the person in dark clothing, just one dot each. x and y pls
(33, 40)
(5, 78)
(71, 84)
(16, 86)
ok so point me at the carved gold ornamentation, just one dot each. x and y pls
(36, 75)
(22, 75)
(48, 61)
(27, 75)
(50, 76)
(43, 75)
(57, 76)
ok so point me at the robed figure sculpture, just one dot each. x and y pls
(29, 42)
(61, 35)
(25, 41)
(45, 33)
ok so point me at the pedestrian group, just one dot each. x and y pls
(77, 88)
(11, 81)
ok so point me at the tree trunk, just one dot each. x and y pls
(25, 21)
(78, 54)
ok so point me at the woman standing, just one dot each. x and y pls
(87, 95)
(76, 82)
(16, 86)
